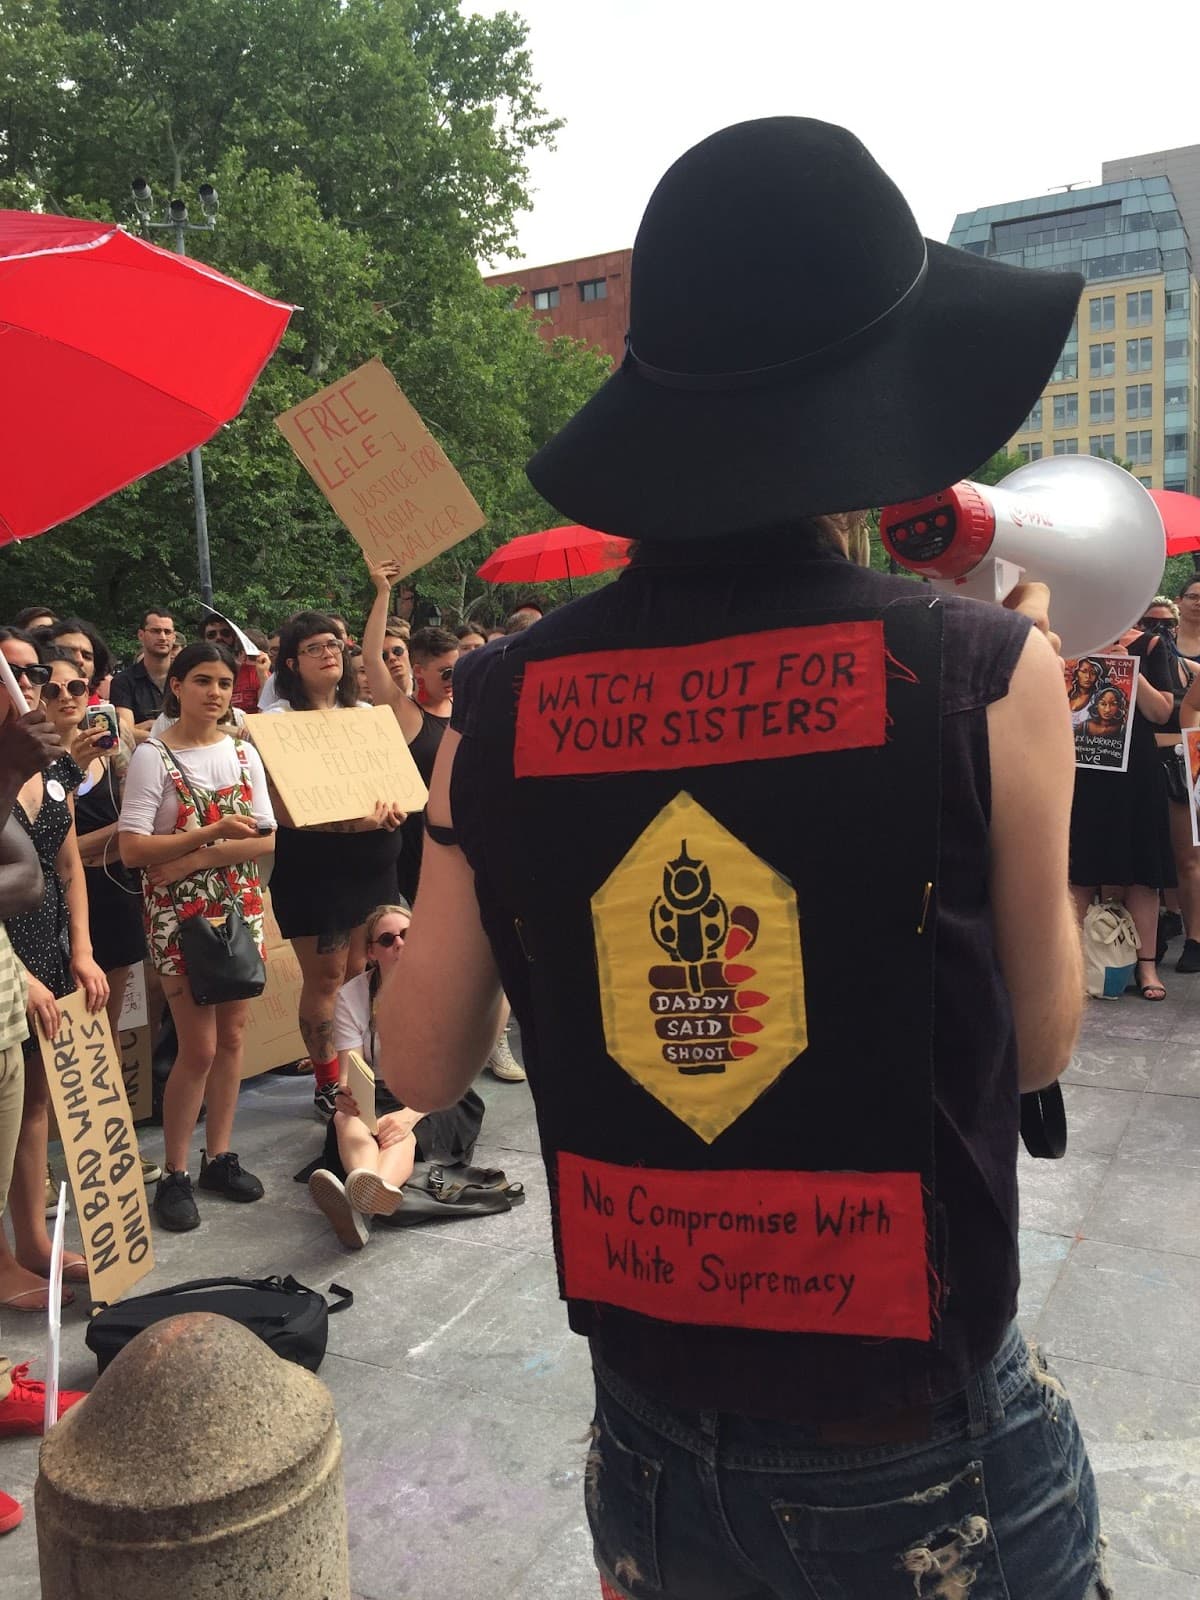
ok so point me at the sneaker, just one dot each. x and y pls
(11, 1512)
(329, 1194)
(370, 1194)
(1189, 957)
(1170, 925)
(174, 1205)
(502, 1064)
(151, 1171)
(24, 1408)
(224, 1175)
(325, 1101)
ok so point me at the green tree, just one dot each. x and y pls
(366, 153)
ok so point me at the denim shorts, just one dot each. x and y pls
(997, 1503)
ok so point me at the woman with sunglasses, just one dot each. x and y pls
(197, 819)
(54, 945)
(326, 878)
(113, 892)
(363, 1173)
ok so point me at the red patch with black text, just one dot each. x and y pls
(796, 1252)
(755, 697)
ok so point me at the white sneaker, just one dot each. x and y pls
(370, 1194)
(502, 1064)
(330, 1195)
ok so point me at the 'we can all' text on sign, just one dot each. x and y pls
(381, 469)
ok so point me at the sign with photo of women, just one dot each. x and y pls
(1100, 693)
(1191, 762)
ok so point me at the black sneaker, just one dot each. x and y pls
(224, 1175)
(325, 1101)
(1189, 957)
(174, 1207)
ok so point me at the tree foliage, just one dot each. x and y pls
(366, 154)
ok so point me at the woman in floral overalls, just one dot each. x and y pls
(196, 817)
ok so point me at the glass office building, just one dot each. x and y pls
(1125, 385)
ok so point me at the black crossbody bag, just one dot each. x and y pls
(222, 960)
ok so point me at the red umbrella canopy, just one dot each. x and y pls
(1181, 519)
(570, 552)
(117, 357)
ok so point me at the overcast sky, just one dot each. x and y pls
(977, 107)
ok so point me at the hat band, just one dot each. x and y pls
(781, 371)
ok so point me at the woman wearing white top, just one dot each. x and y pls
(197, 818)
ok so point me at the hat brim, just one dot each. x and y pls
(908, 416)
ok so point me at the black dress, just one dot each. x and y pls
(423, 750)
(1120, 829)
(114, 892)
(41, 937)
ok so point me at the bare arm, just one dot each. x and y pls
(154, 849)
(83, 965)
(1156, 705)
(1037, 936)
(21, 879)
(384, 691)
(92, 846)
(225, 853)
(438, 1019)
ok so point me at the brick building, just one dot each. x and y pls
(586, 299)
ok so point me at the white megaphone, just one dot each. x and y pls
(1082, 525)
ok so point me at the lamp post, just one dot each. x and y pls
(175, 218)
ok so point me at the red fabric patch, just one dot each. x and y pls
(799, 1252)
(759, 696)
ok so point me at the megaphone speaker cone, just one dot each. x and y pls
(1084, 526)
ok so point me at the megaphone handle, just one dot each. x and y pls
(994, 579)
(13, 687)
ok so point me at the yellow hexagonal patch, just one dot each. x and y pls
(701, 968)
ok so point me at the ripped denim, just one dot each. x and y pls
(997, 1504)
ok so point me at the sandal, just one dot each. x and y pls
(1149, 991)
(22, 1301)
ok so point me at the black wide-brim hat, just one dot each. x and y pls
(796, 347)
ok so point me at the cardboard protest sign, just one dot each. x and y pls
(1100, 693)
(272, 1037)
(362, 1086)
(381, 470)
(331, 766)
(1191, 762)
(136, 1069)
(83, 1070)
(133, 1003)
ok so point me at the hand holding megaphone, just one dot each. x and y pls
(1083, 526)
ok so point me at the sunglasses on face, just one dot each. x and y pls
(33, 675)
(327, 647)
(75, 687)
(396, 653)
(445, 674)
(387, 940)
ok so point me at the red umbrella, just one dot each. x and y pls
(570, 552)
(1181, 519)
(117, 358)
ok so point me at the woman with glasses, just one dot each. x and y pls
(326, 877)
(362, 1173)
(54, 945)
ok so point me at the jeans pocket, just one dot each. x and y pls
(621, 1493)
(935, 1543)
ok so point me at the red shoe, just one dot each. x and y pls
(11, 1512)
(25, 1408)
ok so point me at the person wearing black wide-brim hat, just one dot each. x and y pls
(769, 852)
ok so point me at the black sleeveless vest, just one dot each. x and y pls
(729, 834)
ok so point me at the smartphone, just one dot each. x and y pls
(105, 714)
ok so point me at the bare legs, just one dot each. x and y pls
(207, 1070)
(1142, 905)
(325, 963)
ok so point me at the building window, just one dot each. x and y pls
(1146, 483)
(1175, 394)
(1102, 313)
(1066, 367)
(1175, 444)
(1066, 411)
(545, 299)
(1033, 422)
(1138, 354)
(1173, 349)
(1102, 405)
(1066, 447)
(1139, 447)
(1177, 300)
(1102, 360)
(1139, 307)
(1103, 444)
(593, 289)
(1139, 402)
(1030, 452)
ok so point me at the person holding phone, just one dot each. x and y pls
(52, 941)
(196, 818)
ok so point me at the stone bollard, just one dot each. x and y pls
(201, 1464)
